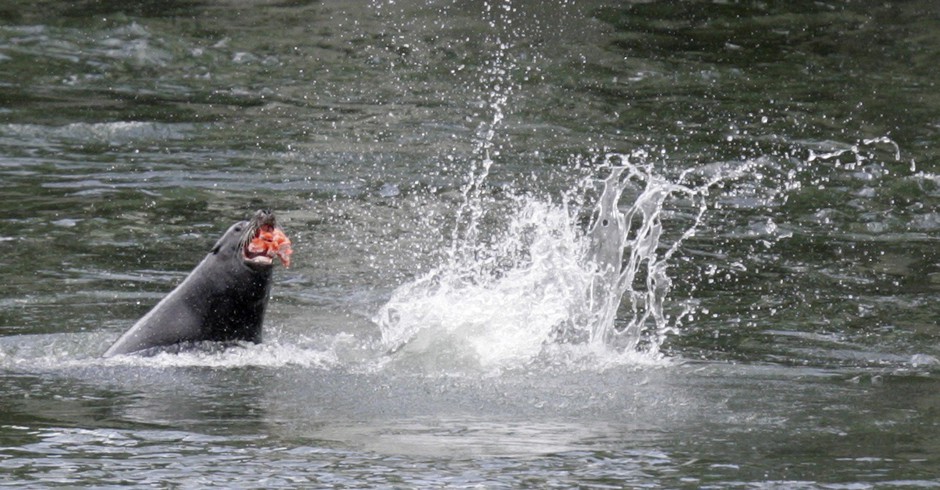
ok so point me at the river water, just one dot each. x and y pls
(759, 308)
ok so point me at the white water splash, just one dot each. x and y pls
(501, 308)
(496, 78)
(541, 287)
(544, 286)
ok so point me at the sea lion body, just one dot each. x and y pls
(223, 299)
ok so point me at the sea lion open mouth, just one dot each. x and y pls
(264, 240)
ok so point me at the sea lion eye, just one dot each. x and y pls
(238, 228)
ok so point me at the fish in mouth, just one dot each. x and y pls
(264, 240)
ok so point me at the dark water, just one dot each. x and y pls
(798, 344)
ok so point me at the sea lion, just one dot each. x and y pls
(223, 298)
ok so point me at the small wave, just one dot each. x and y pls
(54, 352)
(110, 133)
(269, 355)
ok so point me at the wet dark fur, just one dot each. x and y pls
(222, 300)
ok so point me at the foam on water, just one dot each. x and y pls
(53, 352)
(271, 355)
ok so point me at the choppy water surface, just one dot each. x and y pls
(665, 244)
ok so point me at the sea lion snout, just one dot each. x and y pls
(264, 217)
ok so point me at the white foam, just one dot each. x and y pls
(272, 355)
(47, 352)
